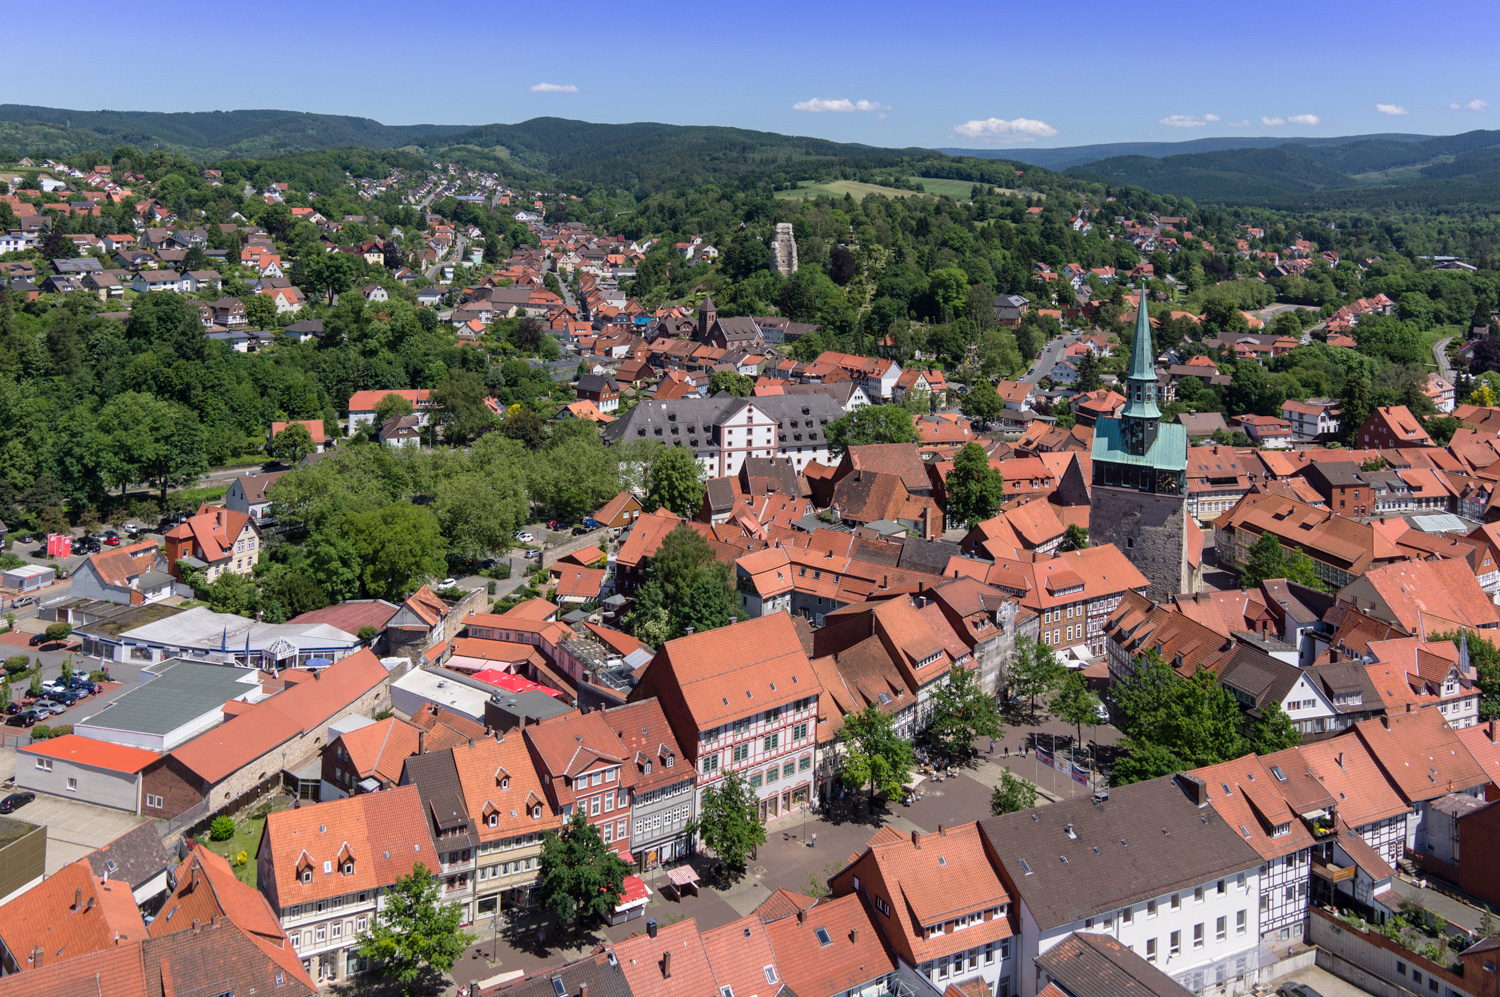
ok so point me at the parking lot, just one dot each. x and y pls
(73, 828)
(1325, 983)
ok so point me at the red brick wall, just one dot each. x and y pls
(1478, 840)
(178, 788)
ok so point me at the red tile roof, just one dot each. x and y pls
(856, 955)
(95, 754)
(382, 834)
(734, 671)
(68, 915)
(300, 707)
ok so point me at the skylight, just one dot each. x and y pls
(824, 939)
(558, 988)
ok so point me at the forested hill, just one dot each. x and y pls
(641, 157)
(52, 131)
(649, 154)
(1373, 173)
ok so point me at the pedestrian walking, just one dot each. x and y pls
(815, 839)
(992, 745)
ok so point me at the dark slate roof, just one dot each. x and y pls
(219, 959)
(602, 979)
(1252, 672)
(1089, 965)
(720, 494)
(596, 383)
(135, 857)
(737, 330)
(307, 325)
(931, 556)
(1150, 838)
(436, 778)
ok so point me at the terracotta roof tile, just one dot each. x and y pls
(383, 834)
(69, 915)
(856, 952)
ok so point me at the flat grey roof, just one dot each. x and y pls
(179, 695)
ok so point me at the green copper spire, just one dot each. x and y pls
(1140, 387)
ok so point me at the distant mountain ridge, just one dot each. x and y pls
(1366, 172)
(1077, 155)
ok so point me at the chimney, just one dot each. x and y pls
(1385, 721)
(89, 906)
(854, 934)
(801, 915)
(36, 957)
(77, 899)
(1196, 789)
(421, 742)
(942, 831)
(666, 965)
(651, 926)
(916, 839)
(196, 922)
(1492, 731)
(583, 990)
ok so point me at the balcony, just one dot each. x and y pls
(1332, 873)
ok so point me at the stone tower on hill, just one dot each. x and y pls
(1139, 495)
(784, 250)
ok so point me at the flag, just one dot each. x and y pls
(1044, 756)
(1079, 774)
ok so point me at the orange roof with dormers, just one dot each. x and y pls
(384, 834)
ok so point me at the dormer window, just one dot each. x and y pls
(494, 820)
(536, 812)
(307, 875)
(505, 782)
(349, 868)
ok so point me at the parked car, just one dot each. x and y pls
(1102, 712)
(23, 602)
(54, 685)
(27, 539)
(83, 687)
(524, 537)
(1297, 990)
(111, 541)
(15, 707)
(448, 583)
(51, 706)
(592, 524)
(533, 555)
(15, 801)
(26, 718)
(64, 697)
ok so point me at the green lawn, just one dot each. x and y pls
(246, 839)
(959, 190)
(838, 188)
(197, 496)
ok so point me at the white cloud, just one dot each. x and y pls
(1390, 108)
(1240, 124)
(553, 88)
(1272, 122)
(1473, 105)
(1188, 120)
(838, 104)
(1000, 130)
(1305, 119)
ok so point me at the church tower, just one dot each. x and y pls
(707, 316)
(1138, 500)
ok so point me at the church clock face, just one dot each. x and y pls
(1167, 482)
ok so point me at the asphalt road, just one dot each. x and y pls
(1051, 353)
(1440, 354)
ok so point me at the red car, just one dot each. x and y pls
(111, 541)
(552, 524)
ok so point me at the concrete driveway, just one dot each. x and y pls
(74, 828)
(1325, 983)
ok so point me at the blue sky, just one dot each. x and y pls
(969, 74)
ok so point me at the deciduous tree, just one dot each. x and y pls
(727, 821)
(871, 424)
(674, 482)
(975, 489)
(580, 876)
(292, 444)
(1034, 671)
(1012, 794)
(961, 712)
(874, 754)
(413, 929)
